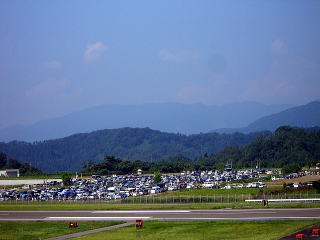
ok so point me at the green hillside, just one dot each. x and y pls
(288, 148)
(287, 145)
(71, 153)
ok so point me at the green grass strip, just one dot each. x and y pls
(42, 230)
(226, 230)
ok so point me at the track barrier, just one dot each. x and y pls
(299, 236)
(315, 232)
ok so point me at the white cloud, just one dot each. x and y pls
(169, 56)
(94, 51)
(278, 46)
(52, 65)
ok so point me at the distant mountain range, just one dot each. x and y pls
(168, 117)
(71, 153)
(305, 116)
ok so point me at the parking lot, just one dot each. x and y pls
(107, 188)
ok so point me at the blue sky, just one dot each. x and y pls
(58, 57)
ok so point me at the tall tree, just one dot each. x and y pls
(157, 177)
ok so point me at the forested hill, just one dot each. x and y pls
(287, 145)
(70, 153)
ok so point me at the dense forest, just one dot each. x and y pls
(287, 145)
(71, 153)
(288, 148)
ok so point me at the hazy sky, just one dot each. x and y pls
(57, 57)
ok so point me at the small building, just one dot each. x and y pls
(10, 173)
(139, 171)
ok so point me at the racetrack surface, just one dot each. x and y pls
(164, 215)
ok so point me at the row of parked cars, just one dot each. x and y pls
(119, 187)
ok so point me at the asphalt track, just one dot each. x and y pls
(164, 215)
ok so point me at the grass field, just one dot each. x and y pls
(213, 192)
(238, 191)
(223, 195)
(226, 230)
(42, 230)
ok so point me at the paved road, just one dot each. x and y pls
(166, 215)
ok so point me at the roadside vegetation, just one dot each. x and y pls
(252, 191)
(231, 230)
(42, 230)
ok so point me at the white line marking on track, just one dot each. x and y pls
(231, 213)
(144, 211)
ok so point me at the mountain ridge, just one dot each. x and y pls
(304, 116)
(168, 117)
(70, 153)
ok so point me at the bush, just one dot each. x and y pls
(291, 168)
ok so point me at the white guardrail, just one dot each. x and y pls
(285, 200)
